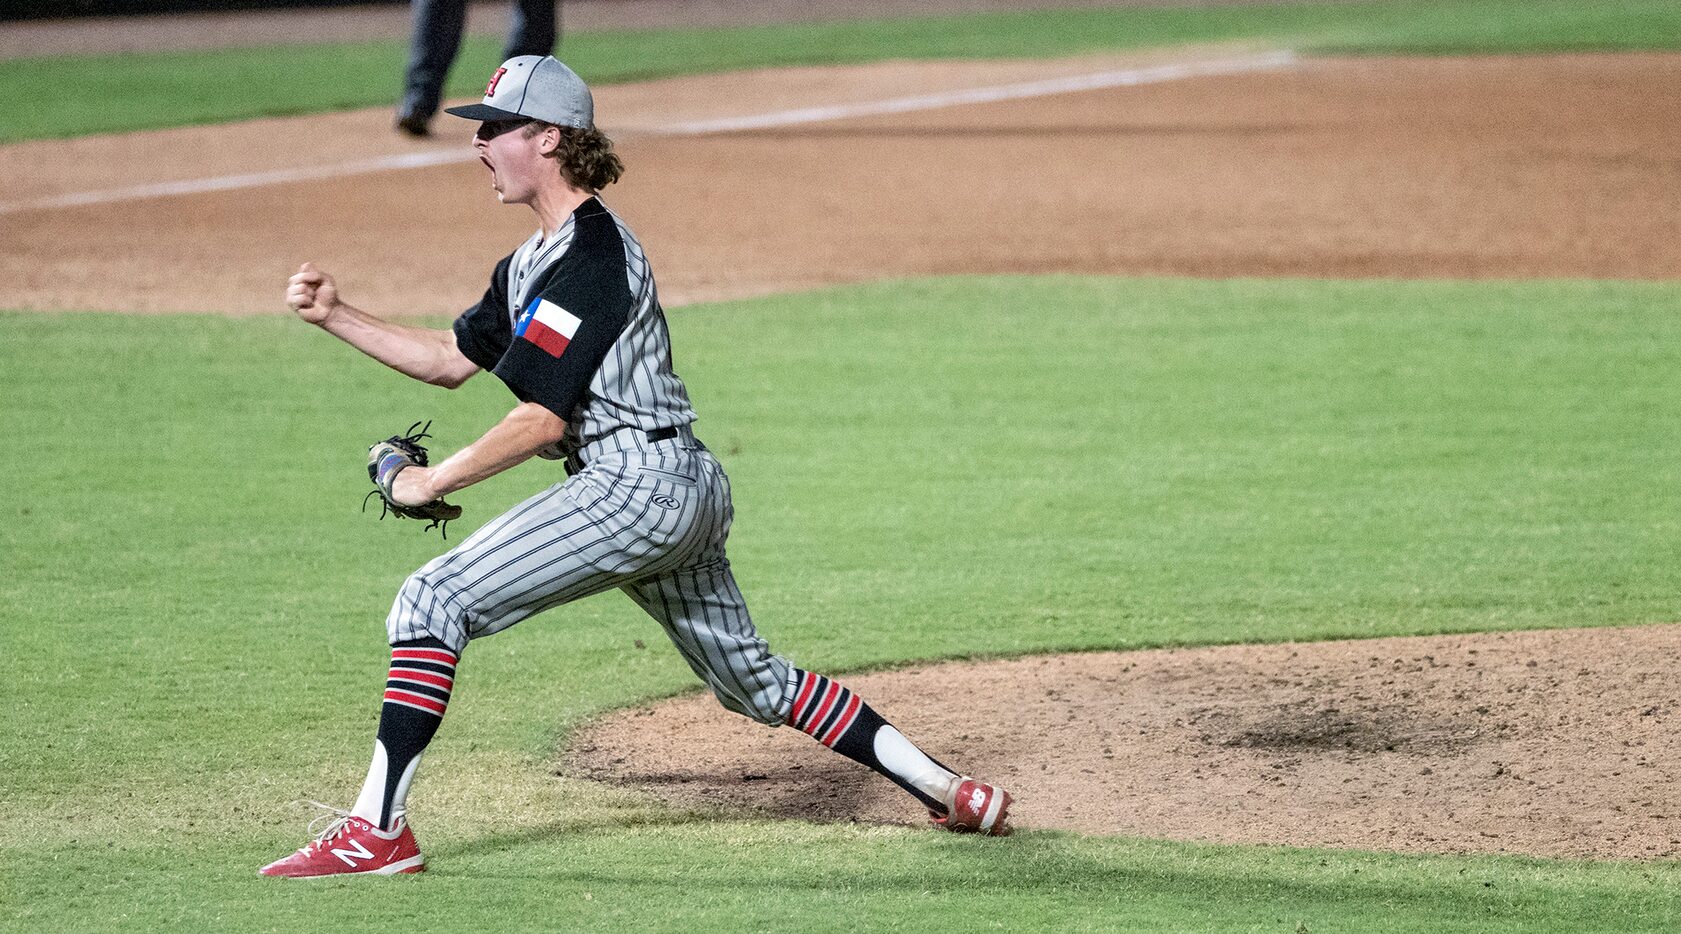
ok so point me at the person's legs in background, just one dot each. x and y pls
(535, 29)
(438, 25)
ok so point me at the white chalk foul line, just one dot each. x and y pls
(193, 186)
(780, 118)
(1049, 86)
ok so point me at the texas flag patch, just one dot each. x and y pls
(549, 326)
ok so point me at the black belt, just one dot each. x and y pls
(575, 461)
(658, 434)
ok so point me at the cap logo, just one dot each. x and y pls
(490, 90)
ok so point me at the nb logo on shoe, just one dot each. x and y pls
(361, 852)
(977, 798)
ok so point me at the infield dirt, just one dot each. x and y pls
(1495, 167)
(1557, 743)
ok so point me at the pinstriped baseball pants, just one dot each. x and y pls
(649, 518)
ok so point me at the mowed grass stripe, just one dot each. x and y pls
(76, 95)
(682, 875)
(941, 468)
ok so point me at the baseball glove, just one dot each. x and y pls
(386, 460)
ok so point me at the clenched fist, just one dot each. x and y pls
(312, 293)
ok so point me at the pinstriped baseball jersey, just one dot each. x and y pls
(614, 370)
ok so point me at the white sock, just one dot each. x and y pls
(900, 756)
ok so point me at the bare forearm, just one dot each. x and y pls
(513, 441)
(427, 354)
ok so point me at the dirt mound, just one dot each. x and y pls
(1555, 743)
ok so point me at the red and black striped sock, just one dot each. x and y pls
(839, 719)
(416, 695)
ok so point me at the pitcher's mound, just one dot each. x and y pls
(1555, 743)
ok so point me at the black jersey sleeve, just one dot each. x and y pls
(483, 332)
(578, 312)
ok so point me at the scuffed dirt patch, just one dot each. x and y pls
(1557, 743)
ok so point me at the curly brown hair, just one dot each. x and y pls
(585, 156)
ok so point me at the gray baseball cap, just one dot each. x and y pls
(536, 86)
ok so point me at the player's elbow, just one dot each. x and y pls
(452, 366)
(543, 426)
(452, 371)
(452, 379)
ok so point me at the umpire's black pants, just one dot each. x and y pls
(438, 25)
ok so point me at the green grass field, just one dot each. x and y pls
(67, 96)
(192, 605)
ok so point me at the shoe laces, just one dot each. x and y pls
(336, 821)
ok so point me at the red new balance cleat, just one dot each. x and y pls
(975, 807)
(350, 845)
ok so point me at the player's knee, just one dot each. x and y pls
(423, 610)
(767, 703)
(754, 707)
(768, 711)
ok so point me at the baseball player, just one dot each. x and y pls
(571, 323)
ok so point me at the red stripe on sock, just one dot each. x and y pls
(806, 684)
(823, 710)
(425, 655)
(418, 700)
(843, 723)
(422, 677)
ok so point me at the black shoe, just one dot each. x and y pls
(414, 126)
